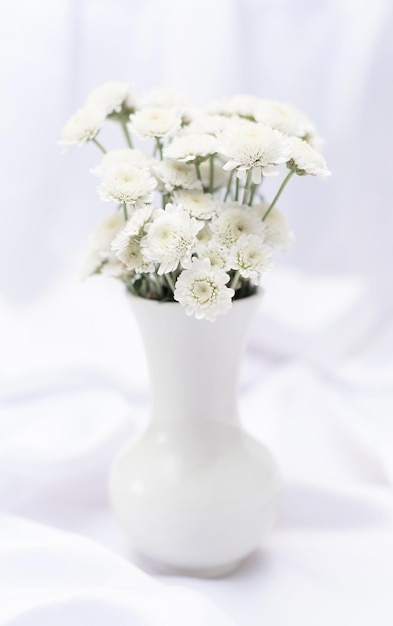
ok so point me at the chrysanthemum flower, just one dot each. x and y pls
(133, 227)
(98, 263)
(304, 159)
(100, 241)
(174, 175)
(255, 147)
(111, 97)
(83, 126)
(190, 148)
(125, 156)
(155, 122)
(166, 98)
(202, 290)
(210, 124)
(250, 256)
(217, 255)
(218, 107)
(171, 238)
(283, 117)
(113, 267)
(132, 257)
(105, 231)
(233, 222)
(277, 233)
(244, 105)
(127, 243)
(127, 184)
(199, 205)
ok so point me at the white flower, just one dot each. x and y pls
(277, 233)
(165, 98)
(113, 267)
(283, 117)
(199, 205)
(127, 243)
(125, 156)
(155, 122)
(171, 238)
(189, 148)
(202, 290)
(304, 159)
(127, 184)
(244, 105)
(111, 97)
(91, 264)
(250, 256)
(133, 227)
(218, 107)
(132, 257)
(256, 147)
(217, 256)
(233, 221)
(100, 244)
(98, 263)
(210, 124)
(174, 175)
(83, 126)
(106, 231)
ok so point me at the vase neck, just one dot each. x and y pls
(193, 364)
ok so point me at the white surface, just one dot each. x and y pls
(74, 386)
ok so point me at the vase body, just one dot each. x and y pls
(195, 492)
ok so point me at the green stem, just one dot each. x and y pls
(158, 285)
(170, 282)
(278, 194)
(211, 175)
(125, 211)
(247, 186)
(252, 194)
(237, 189)
(126, 132)
(229, 185)
(198, 170)
(159, 146)
(99, 145)
(235, 280)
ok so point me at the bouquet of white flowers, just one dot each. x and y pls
(191, 222)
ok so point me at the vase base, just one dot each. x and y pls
(165, 569)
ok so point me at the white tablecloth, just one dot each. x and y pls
(316, 387)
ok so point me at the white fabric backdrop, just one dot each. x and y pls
(317, 382)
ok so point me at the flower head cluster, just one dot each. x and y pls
(170, 238)
(155, 122)
(255, 147)
(190, 221)
(202, 290)
(127, 184)
(112, 97)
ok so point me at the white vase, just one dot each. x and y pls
(195, 492)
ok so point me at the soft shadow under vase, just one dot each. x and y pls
(195, 492)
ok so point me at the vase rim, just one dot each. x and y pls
(134, 297)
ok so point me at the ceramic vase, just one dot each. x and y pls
(195, 492)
